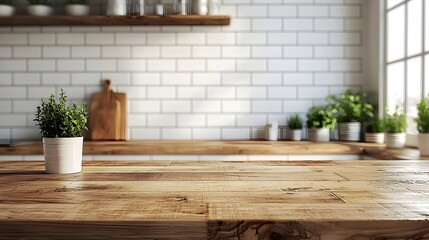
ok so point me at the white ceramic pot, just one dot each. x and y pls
(6, 10)
(319, 134)
(63, 155)
(200, 7)
(375, 137)
(214, 7)
(272, 131)
(39, 10)
(77, 10)
(350, 131)
(395, 140)
(423, 144)
(294, 134)
(116, 8)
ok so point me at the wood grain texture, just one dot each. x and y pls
(107, 115)
(332, 200)
(378, 151)
(114, 20)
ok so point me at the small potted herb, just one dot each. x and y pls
(77, 8)
(62, 127)
(352, 111)
(422, 121)
(320, 121)
(396, 125)
(6, 8)
(374, 132)
(39, 8)
(294, 124)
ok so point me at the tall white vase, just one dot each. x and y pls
(214, 7)
(116, 8)
(200, 7)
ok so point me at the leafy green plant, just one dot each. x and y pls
(6, 2)
(352, 107)
(322, 117)
(396, 122)
(81, 2)
(422, 119)
(56, 119)
(39, 2)
(376, 126)
(294, 122)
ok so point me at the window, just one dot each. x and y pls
(407, 55)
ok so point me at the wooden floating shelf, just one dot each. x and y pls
(114, 20)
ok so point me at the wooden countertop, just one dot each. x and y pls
(377, 151)
(217, 200)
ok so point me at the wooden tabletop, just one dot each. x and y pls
(217, 200)
(377, 151)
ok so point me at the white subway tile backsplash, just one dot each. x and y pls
(176, 134)
(277, 58)
(206, 133)
(56, 52)
(13, 65)
(248, 120)
(176, 106)
(161, 92)
(218, 120)
(70, 38)
(282, 92)
(164, 120)
(71, 65)
(236, 106)
(191, 120)
(206, 106)
(55, 78)
(221, 92)
(191, 92)
(27, 52)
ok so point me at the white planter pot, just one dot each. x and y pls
(77, 10)
(200, 7)
(375, 137)
(319, 134)
(294, 134)
(423, 144)
(214, 7)
(6, 10)
(116, 8)
(350, 131)
(395, 140)
(39, 10)
(63, 155)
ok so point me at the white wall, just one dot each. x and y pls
(277, 58)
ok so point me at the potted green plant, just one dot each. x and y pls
(374, 132)
(320, 120)
(422, 121)
(61, 127)
(396, 125)
(77, 8)
(6, 8)
(39, 8)
(294, 124)
(352, 110)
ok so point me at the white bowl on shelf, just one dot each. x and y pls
(39, 10)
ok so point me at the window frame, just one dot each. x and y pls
(411, 137)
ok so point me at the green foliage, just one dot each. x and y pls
(376, 126)
(6, 2)
(422, 119)
(55, 119)
(81, 2)
(396, 122)
(322, 117)
(39, 2)
(352, 107)
(294, 122)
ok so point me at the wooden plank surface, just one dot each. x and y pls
(366, 199)
(114, 20)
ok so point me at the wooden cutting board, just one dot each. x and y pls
(107, 115)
